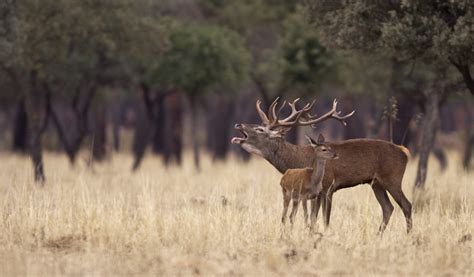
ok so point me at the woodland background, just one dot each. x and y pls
(123, 111)
(90, 78)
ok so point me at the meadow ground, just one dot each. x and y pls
(223, 220)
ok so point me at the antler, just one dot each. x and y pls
(262, 115)
(272, 115)
(292, 118)
(308, 119)
(298, 117)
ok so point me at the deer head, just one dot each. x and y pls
(264, 137)
(322, 150)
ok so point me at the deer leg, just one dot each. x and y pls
(323, 204)
(404, 204)
(327, 212)
(286, 203)
(296, 200)
(328, 202)
(385, 204)
(305, 210)
(315, 205)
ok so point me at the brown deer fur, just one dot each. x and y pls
(301, 184)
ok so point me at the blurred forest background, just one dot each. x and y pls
(89, 78)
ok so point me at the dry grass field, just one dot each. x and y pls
(224, 220)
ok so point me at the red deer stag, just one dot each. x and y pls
(301, 184)
(361, 161)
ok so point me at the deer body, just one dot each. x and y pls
(360, 160)
(302, 184)
(296, 184)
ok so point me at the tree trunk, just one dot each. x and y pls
(63, 138)
(468, 150)
(220, 115)
(99, 135)
(194, 131)
(72, 144)
(173, 127)
(141, 135)
(20, 128)
(440, 155)
(37, 110)
(466, 74)
(159, 117)
(469, 142)
(401, 131)
(117, 116)
(429, 130)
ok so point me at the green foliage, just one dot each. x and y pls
(435, 30)
(271, 13)
(350, 25)
(440, 30)
(200, 57)
(7, 28)
(286, 54)
(304, 61)
(68, 43)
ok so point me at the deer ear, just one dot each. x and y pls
(310, 140)
(320, 139)
(279, 132)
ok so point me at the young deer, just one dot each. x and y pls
(302, 184)
(361, 161)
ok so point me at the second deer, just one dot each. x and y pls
(301, 184)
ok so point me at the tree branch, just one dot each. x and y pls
(147, 99)
(466, 74)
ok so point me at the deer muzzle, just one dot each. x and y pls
(239, 140)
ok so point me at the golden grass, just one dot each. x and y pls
(223, 220)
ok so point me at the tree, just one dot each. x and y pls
(436, 33)
(70, 49)
(34, 50)
(112, 36)
(287, 58)
(305, 63)
(199, 58)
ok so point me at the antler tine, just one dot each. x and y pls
(293, 106)
(293, 110)
(307, 108)
(281, 108)
(271, 110)
(341, 118)
(262, 115)
(292, 118)
(333, 113)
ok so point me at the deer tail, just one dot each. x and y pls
(405, 150)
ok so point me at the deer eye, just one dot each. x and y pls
(259, 130)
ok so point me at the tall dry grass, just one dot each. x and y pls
(222, 220)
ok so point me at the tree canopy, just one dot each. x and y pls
(200, 57)
(436, 32)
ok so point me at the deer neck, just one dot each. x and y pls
(284, 155)
(318, 171)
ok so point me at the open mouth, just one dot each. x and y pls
(239, 140)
